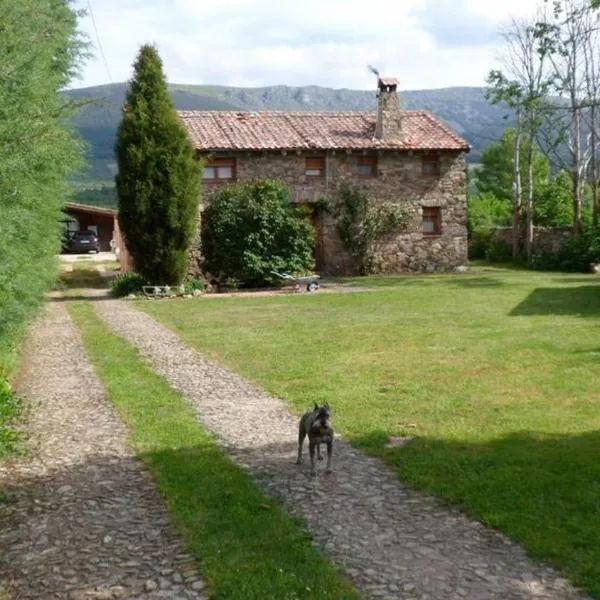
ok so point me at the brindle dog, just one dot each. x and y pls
(317, 425)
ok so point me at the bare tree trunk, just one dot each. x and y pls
(517, 192)
(578, 180)
(529, 207)
(594, 160)
(596, 200)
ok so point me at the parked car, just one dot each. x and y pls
(83, 241)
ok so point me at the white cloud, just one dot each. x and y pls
(425, 43)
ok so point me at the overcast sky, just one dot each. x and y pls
(424, 43)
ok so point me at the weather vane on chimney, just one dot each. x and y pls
(373, 70)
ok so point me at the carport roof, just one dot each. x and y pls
(87, 208)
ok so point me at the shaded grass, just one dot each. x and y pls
(82, 276)
(248, 547)
(495, 373)
(11, 410)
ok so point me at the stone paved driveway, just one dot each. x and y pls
(83, 519)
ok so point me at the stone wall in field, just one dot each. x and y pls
(397, 178)
(545, 239)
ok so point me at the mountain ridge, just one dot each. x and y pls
(463, 108)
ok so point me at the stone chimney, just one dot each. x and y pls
(389, 123)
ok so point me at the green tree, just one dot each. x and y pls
(250, 229)
(552, 196)
(554, 201)
(40, 51)
(486, 211)
(158, 179)
(495, 176)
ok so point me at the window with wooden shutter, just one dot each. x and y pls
(314, 166)
(430, 164)
(219, 169)
(432, 220)
(367, 166)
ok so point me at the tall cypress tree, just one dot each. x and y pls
(158, 182)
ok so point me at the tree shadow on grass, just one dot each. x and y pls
(108, 514)
(543, 490)
(582, 301)
(567, 279)
(464, 281)
(78, 297)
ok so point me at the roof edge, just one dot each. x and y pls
(90, 208)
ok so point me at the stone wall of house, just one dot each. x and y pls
(399, 179)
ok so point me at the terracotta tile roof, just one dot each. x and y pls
(388, 81)
(225, 130)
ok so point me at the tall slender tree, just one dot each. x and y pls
(570, 37)
(158, 181)
(524, 88)
(509, 92)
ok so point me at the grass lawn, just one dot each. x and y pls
(247, 546)
(495, 373)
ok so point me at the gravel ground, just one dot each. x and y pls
(390, 541)
(83, 520)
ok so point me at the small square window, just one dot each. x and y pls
(367, 166)
(315, 166)
(219, 169)
(432, 220)
(430, 164)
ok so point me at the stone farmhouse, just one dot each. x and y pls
(397, 156)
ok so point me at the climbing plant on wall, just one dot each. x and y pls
(362, 223)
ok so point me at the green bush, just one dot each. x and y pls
(250, 229)
(498, 251)
(484, 244)
(194, 285)
(479, 240)
(127, 283)
(576, 254)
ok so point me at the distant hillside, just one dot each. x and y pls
(464, 109)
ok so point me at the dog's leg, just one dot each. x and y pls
(301, 436)
(329, 453)
(311, 448)
(319, 457)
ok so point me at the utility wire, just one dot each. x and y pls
(99, 42)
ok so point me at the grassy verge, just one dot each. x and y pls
(11, 406)
(11, 438)
(248, 546)
(494, 373)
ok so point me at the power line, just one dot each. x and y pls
(99, 42)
